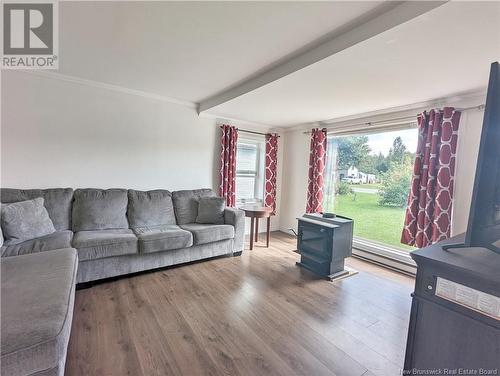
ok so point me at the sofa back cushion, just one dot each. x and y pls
(25, 220)
(57, 201)
(186, 204)
(150, 208)
(211, 210)
(99, 209)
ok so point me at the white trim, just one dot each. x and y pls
(226, 120)
(144, 94)
(244, 202)
(252, 138)
(259, 188)
(378, 115)
(476, 96)
(116, 88)
(373, 128)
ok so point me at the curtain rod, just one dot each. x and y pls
(253, 132)
(409, 118)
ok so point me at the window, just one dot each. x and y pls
(368, 179)
(250, 159)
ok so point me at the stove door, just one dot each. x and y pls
(314, 239)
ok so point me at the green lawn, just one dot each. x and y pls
(372, 186)
(371, 220)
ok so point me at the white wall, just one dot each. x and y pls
(296, 161)
(471, 123)
(57, 133)
(295, 172)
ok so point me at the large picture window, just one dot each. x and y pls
(250, 159)
(368, 179)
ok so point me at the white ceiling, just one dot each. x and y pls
(189, 50)
(445, 51)
(194, 50)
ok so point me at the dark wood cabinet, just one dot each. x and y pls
(455, 313)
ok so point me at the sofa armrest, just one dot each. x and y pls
(236, 217)
(2, 248)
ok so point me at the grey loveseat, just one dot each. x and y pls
(99, 234)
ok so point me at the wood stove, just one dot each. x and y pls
(324, 243)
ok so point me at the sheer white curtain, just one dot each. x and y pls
(331, 175)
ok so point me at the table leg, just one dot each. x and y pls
(251, 232)
(268, 231)
(256, 230)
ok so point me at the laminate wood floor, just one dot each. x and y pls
(257, 314)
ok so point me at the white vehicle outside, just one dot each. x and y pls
(352, 180)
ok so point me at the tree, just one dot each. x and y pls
(343, 188)
(368, 165)
(381, 163)
(398, 151)
(396, 183)
(353, 151)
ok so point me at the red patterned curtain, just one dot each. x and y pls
(317, 162)
(228, 143)
(271, 165)
(428, 215)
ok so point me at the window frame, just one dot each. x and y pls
(385, 254)
(259, 142)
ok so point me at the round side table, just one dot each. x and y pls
(255, 213)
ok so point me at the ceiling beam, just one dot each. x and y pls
(382, 18)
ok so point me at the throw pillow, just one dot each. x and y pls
(25, 220)
(211, 210)
(186, 204)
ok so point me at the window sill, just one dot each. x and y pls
(249, 202)
(380, 254)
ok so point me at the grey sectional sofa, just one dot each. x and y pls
(119, 231)
(99, 234)
(38, 292)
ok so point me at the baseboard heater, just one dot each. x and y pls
(400, 266)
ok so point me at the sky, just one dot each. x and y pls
(382, 142)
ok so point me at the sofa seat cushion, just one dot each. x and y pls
(104, 243)
(162, 238)
(37, 310)
(56, 240)
(203, 234)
